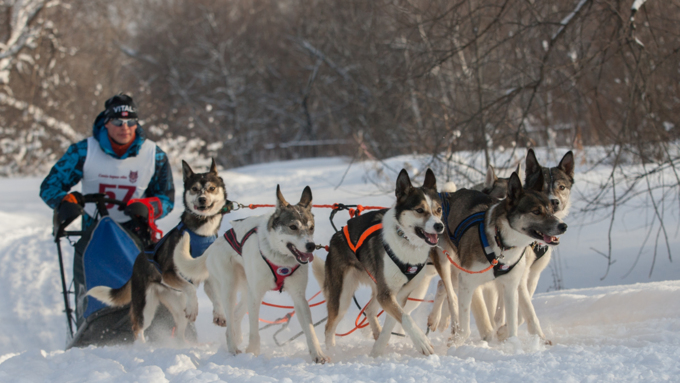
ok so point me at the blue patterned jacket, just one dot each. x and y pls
(68, 171)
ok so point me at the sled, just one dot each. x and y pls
(104, 254)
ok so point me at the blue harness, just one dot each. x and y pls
(199, 244)
(478, 220)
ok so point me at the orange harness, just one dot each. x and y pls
(364, 236)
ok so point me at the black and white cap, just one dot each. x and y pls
(120, 106)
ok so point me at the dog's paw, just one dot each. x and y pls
(433, 321)
(503, 332)
(321, 358)
(253, 349)
(547, 342)
(421, 343)
(219, 320)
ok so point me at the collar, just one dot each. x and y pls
(499, 242)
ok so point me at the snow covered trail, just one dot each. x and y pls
(601, 331)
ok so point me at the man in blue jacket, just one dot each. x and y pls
(117, 161)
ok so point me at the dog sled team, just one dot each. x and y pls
(489, 244)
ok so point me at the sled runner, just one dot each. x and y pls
(104, 254)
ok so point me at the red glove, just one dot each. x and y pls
(149, 209)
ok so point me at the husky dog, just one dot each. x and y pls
(154, 276)
(502, 231)
(496, 188)
(276, 258)
(386, 250)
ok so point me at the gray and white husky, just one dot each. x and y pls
(154, 277)
(267, 252)
(388, 251)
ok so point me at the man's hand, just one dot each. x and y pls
(137, 210)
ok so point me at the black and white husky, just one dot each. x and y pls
(386, 250)
(155, 278)
(267, 252)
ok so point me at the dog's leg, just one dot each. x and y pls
(415, 289)
(254, 296)
(511, 298)
(389, 303)
(338, 301)
(449, 277)
(435, 314)
(148, 314)
(175, 301)
(371, 313)
(241, 310)
(228, 289)
(172, 279)
(479, 310)
(466, 287)
(490, 297)
(526, 309)
(536, 269)
(499, 316)
(296, 288)
(218, 311)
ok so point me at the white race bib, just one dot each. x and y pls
(118, 179)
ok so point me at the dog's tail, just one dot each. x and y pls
(193, 268)
(318, 266)
(449, 187)
(112, 297)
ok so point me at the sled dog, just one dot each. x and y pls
(155, 278)
(386, 250)
(501, 232)
(267, 252)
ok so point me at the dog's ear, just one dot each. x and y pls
(430, 180)
(532, 165)
(518, 170)
(540, 182)
(186, 171)
(306, 198)
(567, 164)
(280, 201)
(403, 184)
(490, 178)
(213, 167)
(514, 189)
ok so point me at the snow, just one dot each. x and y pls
(616, 329)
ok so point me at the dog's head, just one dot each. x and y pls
(291, 227)
(204, 193)
(419, 210)
(496, 187)
(530, 212)
(557, 181)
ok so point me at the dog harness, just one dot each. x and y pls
(280, 273)
(199, 244)
(477, 219)
(539, 250)
(409, 270)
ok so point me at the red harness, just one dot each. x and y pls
(280, 272)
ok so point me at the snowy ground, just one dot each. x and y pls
(616, 329)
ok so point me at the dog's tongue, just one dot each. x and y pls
(306, 257)
(432, 238)
(549, 239)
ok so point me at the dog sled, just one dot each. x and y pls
(104, 254)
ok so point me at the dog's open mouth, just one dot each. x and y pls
(301, 257)
(203, 207)
(547, 239)
(431, 239)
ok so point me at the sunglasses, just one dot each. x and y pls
(119, 122)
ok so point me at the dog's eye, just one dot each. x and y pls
(562, 187)
(537, 212)
(293, 227)
(439, 210)
(420, 210)
(212, 189)
(311, 228)
(194, 189)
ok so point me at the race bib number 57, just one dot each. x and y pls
(108, 189)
